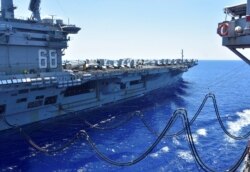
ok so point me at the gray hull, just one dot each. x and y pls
(35, 84)
(39, 103)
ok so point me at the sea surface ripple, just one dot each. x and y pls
(228, 80)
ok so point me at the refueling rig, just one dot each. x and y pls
(236, 32)
(235, 36)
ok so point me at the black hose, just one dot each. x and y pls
(222, 125)
(142, 156)
(212, 96)
(183, 129)
(195, 152)
(178, 113)
(8, 123)
(151, 129)
(48, 151)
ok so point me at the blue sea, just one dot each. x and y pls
(228, 80)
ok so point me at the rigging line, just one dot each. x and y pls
(47, 151)
(194, 150)
(1, 117)
(137, 113)
(149, 150)
(39, 148)
(212, 96)
(96, 126)
(147, 126)
(183, 129)
(180, 132)
(233, 78)
(190, 148)
(60, 6)
(178, 113)
(229, 72)
(220, 79)
(222, 125)
(84, 133)
(184, 118)
(8, 123)
(68, 112)
(224, 77)
(153, 131)
(138, 159)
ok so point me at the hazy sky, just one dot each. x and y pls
(140, 28)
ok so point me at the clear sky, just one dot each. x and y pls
(140, 28)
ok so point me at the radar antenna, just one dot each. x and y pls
(35, 8)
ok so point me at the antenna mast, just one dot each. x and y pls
(7, 9)
(182, 55)
(35, 8)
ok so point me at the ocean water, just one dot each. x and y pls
(228, 80)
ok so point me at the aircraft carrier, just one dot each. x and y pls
(35, 84)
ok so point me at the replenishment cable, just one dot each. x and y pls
(178, 113)
(184, 117)
(97, 126)
(49, 151)
(141, 157)
(217, 113)
(8, 123)
(183, 129)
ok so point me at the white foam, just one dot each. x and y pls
(185, 155)
(111, 150)
(195, 138)
(82, 169)
(154, 155)
(165, 149)
(161, 151)
(47, 146)
(235, 127)
(107, 120)
(243, 121)
(176, 141)
(12, 167)
(124, 156)
(202, 132)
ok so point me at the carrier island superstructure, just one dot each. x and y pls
(36, 85)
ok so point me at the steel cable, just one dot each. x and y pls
(212, 96)
(195, 152)
(49, 151)
(178, 113)
(96, 126)
(183, 129)
(222, 125)
(8, 123)
(141, 157)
